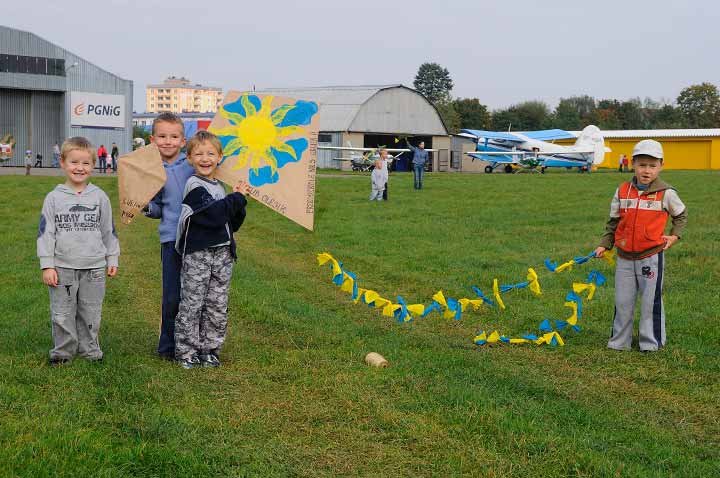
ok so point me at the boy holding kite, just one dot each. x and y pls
(205, 242)
(639, 211)
(168, 133)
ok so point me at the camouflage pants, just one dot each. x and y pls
(201, 322)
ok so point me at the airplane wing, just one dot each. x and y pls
(549, 134)
(496, 158)
(500, 153)
(494, 135)
(351, 148)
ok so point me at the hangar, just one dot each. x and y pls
(371, 116)
(683, 148)
(48, 94)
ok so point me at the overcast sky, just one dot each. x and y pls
(502, 52)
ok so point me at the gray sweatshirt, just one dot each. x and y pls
(76, 230)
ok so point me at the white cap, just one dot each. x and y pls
(648, 147)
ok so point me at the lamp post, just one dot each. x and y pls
(71, 67)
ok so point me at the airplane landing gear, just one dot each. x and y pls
(508, 169)
(488, 169)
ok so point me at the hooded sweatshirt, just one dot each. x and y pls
(167, 203)
(649, 205)
(77, 230)
(208, 217)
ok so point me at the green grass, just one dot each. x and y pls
(293, 397)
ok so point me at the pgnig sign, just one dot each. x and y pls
(97, 110)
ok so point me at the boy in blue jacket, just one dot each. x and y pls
(205, 240)
(168, 133)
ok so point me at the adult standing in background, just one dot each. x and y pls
(114, 153)
(621, 163)
(102, 156)
(420, 157)
(56, 156)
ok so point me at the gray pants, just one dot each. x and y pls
(75, 310)
(376, 194)
(642, 278)
(201, 322)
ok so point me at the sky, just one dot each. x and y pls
(502, 53)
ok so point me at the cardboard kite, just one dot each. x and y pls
(270, 142)
(140, 176)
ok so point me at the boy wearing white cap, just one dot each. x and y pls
(639, 211)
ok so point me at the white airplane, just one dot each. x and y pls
(531, 150)
(362, 158)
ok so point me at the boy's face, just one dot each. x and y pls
(169, 138)
(77, 164)
(205, 158)
(647, 168)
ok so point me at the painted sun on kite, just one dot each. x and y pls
(262, 138)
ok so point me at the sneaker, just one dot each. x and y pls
(187, 364)
(209, 360)
(56, 362)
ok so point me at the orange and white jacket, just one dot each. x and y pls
(638, 219)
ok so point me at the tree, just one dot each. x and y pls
(450, 116)
(575, 113)
(140, 132)
(666, 117)
(433, 81)
(631, 115)
(526, 116)
(700, 105)
(473, 114)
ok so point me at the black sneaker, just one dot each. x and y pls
(209, 360)
(56, 362)
(187, 364)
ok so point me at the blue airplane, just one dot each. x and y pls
(532, 150)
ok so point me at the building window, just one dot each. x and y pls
(324, 138)
(33, 65)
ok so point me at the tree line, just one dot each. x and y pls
(697, 106)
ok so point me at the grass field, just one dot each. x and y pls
(293, 397)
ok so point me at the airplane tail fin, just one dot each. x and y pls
(592, 136)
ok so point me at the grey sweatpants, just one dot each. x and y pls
(642, 278)
(201, 322)
(75, 310)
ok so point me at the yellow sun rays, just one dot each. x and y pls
(257, 134)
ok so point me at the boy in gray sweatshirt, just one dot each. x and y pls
(76, 243)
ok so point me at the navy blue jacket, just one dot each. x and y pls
(208, 218)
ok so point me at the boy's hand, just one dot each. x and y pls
(669, 241)
(242, 187)
(112, 271)
(600, 251)
(49, 277)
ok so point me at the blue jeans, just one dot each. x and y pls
(103, 164)
(418, 173)
(171, 267)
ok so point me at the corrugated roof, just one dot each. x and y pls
(338, 104)
(657, 133)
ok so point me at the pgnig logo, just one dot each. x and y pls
(97, 110)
